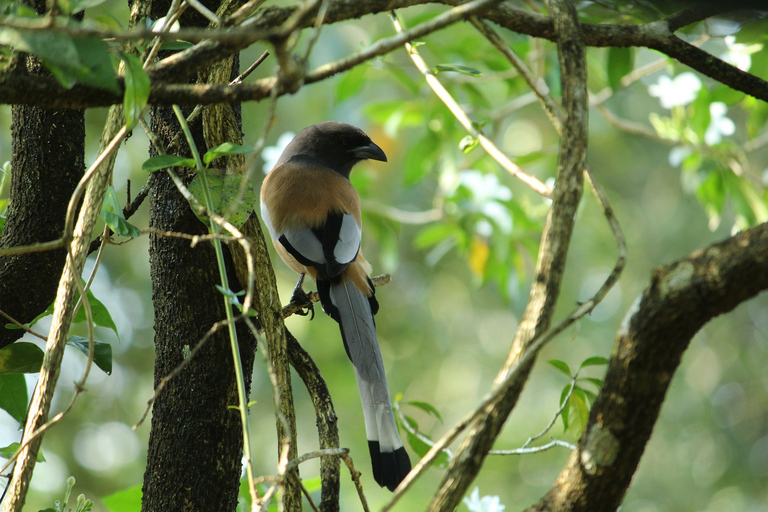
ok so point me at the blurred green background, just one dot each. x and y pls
(459, 236)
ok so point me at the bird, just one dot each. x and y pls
(312, 213)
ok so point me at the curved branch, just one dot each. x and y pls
(551, 263)
(681, 298)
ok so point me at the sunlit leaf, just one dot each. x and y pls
(112, 213)
(157, 163)
(564, 414)
(458, 68)
(598, 383)
(225, 149)
(426, 407)
(137, 88)
(224, 190)
(479, 252)
(21, 357)
(593, 361)
(421, 447)
(561, 365)
(9, 451)
(711, 194)
(467, 143)
(127, 500)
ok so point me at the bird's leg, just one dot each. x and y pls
(300, 297)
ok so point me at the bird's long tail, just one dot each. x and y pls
(355, 317)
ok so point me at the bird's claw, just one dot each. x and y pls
(301, 299)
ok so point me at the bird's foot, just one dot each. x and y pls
(300, 298)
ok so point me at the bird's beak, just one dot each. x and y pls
(369, 151)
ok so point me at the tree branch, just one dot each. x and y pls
(681, 298)
(658, 35)
(550, 265)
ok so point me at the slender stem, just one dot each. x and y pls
(214, 228)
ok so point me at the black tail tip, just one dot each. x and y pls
(389, 468)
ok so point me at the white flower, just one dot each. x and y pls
(272, 153)
(159, 25)
(487, 197)
(680, 90)
(485, 504)
(719, 124)
(678, 154)
(739, 54)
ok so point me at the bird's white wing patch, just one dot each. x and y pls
(306, 243)
(349, 240)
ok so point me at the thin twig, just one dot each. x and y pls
(535, 449)
(22, 326)
(463, 118)
(207, 14)
(242, 76)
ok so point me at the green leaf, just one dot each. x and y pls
(46, 45)
(580, 403)
(598, 383)
(711, 194)
(224, 190)
(21, 357)
(428, 408)
(561, 365)
(351, 82)
(620, 63)
(127, 500)
(157, 163)
(700, 117)
(102, 352)
(467, 143)
(593, 361)
(75, 6)
(137, 88)
(434, 234)
(421, 447)
(458, 68)
(99, 312)
(112, 213)
(312, 484)
(225, 149)
(84, 59)
(7, 452)
(48, 311)
(13, 395)
(564, 413)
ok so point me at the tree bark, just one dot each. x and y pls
(46, 164)
(681, 298)
(195, 445)
(194, 458)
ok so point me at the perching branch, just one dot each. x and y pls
(680, 299)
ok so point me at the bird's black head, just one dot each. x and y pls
(338, 146)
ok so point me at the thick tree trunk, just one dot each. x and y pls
(195, 446)
(47, 163)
